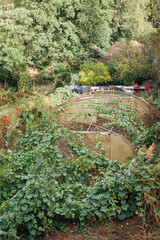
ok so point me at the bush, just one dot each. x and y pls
(7, 96)
(113, 70)
(46, 76)
(134, 69)
(24, 82)
(60, 96)
(94, 73)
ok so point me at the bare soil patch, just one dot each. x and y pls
(128, 229)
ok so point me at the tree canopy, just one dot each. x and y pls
(47, 32)
(94, 74)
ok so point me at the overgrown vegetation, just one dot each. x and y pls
(42, 185)
(48, 174)
(122, 116)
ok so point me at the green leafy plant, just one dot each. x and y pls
(42, 186)
(94, 73)
(7, 96)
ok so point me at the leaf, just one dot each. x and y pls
(41, 215)
(122, 194)
(125, 206)
(27, 218)
(121, 216)
(33, 232)
(138, 188)
(147, 189)
(104, 209)
(139, 203)
(50, 214)
(98, 213)
(1, 232)
(24, 208)
(41, 229)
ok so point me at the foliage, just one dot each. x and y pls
(61, 73)
(94, 73)
(45, 34)
(60, 96)
(152, 135)
(130, 20)
(134, 69)
(153, 51)
(48, 33)
(7, 96)
(153, 9)
(46, 186)
(24, 82)
(113, 68)
(152, 96)
(121, 115)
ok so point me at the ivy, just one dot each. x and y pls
(42, 186)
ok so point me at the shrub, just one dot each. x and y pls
(60, 96)
(7, 96)
(94, 73)
(134, 69)
(24, 82)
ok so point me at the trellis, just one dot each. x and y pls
(139, 105)
(86, 101)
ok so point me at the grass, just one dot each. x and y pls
(40, 90)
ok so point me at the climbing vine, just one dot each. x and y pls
(49, 175)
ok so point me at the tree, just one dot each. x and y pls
(153, 52)
(40, 33)
(153, 11)
(129, 19)
(134, 69)
(94, 74)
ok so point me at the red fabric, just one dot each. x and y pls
(136, 89)
(148, 88)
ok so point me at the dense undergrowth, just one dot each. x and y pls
(122, 116)
(48, 175)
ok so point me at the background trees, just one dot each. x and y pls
(44, 32)
(51, 35)
(153, 10)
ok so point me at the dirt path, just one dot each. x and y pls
(129, 229)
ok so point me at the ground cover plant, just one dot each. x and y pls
(48, 175)
(110, 114)
(121, 115)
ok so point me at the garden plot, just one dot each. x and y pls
(79, 114)
(73, 170)
(116, 146)
(85, 118)
(111, 118)
(139, 105)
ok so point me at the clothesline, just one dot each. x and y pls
(128, 89)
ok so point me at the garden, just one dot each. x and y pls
(51, 175)
(79, 166)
